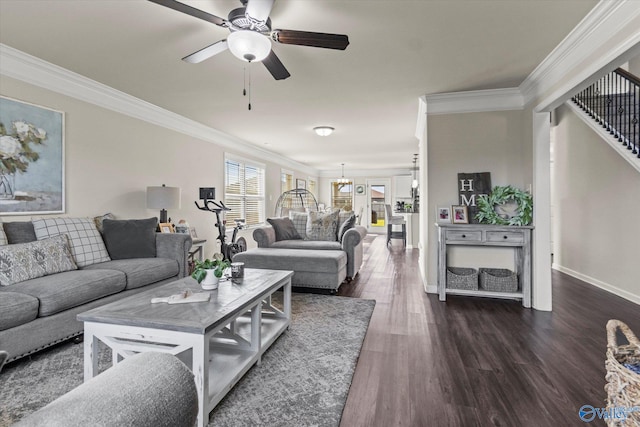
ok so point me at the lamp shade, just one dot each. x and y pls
(163, 197)
(249, 45)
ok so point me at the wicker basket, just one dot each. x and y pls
(462, 278)
(498, 280)
(623, 385)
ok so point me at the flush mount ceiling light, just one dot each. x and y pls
(249, 45)
(323, 130)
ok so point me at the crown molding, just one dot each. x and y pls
(601, 25)
(30, 69)
(474, 101)
(366, 173)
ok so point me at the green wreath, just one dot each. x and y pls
(500, 195)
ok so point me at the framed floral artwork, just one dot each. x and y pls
(31, 159)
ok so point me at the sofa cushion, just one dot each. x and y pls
(24, 261)
(19, 231)
(131, 238)
(349, 223)
(141, 271)
(16, 309)
(322, 225)
(3, 236)
(307, 244)
(299, 220)
(85, 240)
(344, 216)
(284, 228)
(63, 291)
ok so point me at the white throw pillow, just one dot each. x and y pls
(85, 240)
(322, 226)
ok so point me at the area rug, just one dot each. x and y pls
(303, 380)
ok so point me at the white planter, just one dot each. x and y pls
(210, 281)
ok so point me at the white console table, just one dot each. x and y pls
(517, 237)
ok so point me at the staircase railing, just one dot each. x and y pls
(614, 102)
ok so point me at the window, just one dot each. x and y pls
(286, 180)
(311, 186)
(244, 190)
(342, 195)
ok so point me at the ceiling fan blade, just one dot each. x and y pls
(259, 9)
(307, 38)
(206, 52)
(197, 13)
(275, 67)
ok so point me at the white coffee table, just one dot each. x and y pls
(226, 335)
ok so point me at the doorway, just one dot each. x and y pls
(378, 196)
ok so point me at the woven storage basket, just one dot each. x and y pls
(498, 280)
(623, 385)
(462, 278)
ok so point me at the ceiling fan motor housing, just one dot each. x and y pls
(241, 20)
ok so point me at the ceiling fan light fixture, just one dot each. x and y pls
(249, 46)
(323, 130)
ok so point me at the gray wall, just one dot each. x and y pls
(596, 202)
(474, 142)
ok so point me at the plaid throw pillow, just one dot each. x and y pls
(299, 220)
(86, 243)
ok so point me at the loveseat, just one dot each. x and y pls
(55, 268)
(322, 248)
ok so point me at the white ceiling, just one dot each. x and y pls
(399, 50)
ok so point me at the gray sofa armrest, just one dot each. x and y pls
(174, 246)
(148, 389)
(352, 245)
(264, 236)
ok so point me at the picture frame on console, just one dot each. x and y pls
(460, 214)
(166, 227)
(443, 215)
(192, 231)
(301, 183)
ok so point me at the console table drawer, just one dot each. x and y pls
(463, 236)
(505, 236)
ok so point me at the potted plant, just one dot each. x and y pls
(209, 272)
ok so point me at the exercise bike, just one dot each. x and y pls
(228, 250)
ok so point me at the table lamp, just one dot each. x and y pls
(163, 198)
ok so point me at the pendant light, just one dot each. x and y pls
(414, 183)
(343, 180)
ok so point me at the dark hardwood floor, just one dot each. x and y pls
(475, 361)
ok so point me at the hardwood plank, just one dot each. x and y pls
(475, 361)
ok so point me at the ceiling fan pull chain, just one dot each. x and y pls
(249, 86)
(244, 81)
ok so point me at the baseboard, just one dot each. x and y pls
(599, 284)
(430, 289)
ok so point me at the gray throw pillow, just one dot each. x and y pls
(19, 232)
(284, 228)
(349, 223)
(130, 238)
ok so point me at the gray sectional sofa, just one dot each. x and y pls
(41, 311)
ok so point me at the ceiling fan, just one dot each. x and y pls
(251, 35)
